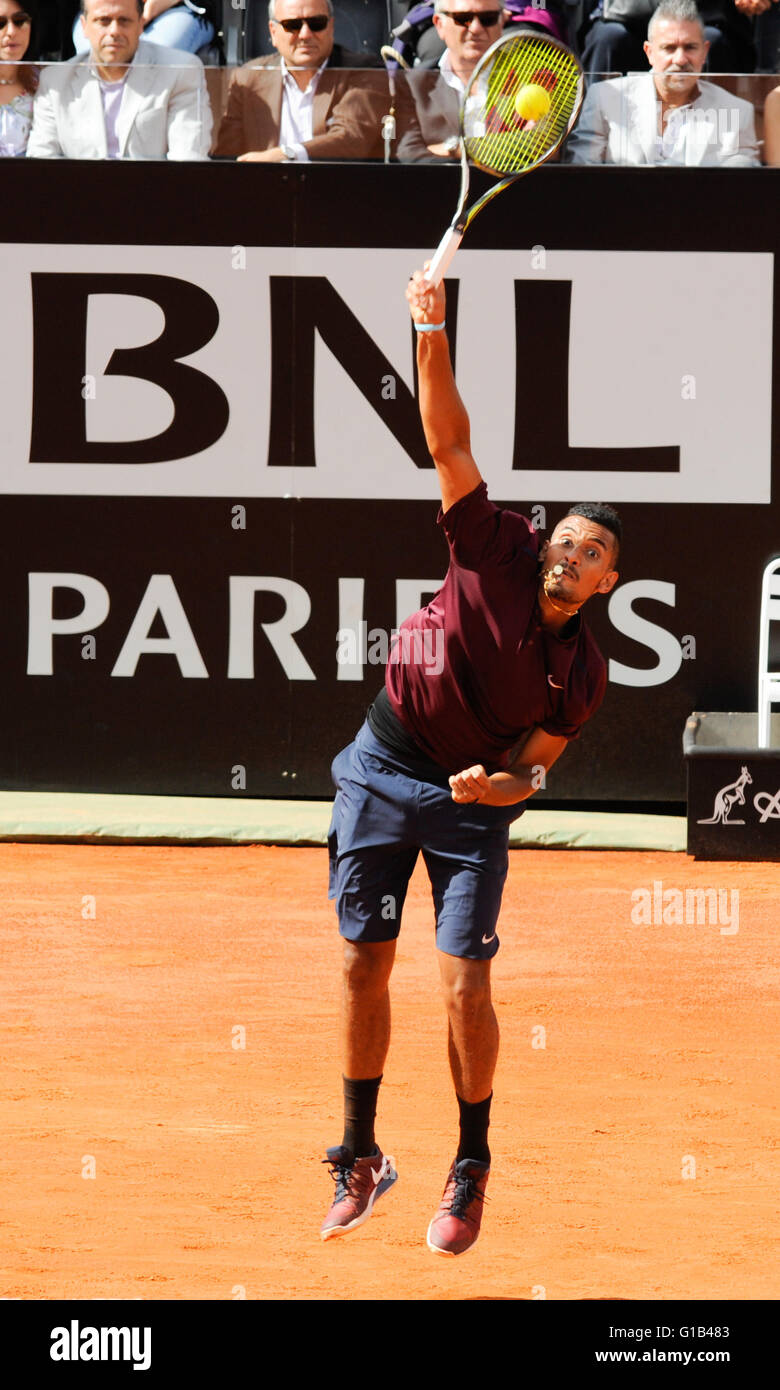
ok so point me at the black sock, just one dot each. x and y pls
(360, 1099)
(474, 1122)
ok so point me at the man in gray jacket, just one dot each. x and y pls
(667, 116)
(126, 99)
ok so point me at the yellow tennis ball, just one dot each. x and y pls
(532, 102)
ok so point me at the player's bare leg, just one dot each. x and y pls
(473, 1026)
(366, 1007)
(359, 1168)
(473, 1051)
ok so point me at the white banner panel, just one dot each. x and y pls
(665, 349)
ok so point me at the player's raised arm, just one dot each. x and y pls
(444, 417)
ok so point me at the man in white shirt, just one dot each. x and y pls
(468, 28)
(303, 102)
(125, 99)
(666, 116)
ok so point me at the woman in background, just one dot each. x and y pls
(18, 80)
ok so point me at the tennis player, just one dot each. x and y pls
(448, 754)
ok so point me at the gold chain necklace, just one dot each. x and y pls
(553, 574)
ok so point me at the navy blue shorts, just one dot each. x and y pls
(383, 817)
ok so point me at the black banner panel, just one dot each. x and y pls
(218, 502)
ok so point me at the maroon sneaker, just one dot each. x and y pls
(455, 1226)
(359, 1181)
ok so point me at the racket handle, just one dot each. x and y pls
(442, 257)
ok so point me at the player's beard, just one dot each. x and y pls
(555, 585)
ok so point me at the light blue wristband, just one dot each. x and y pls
(430, 327)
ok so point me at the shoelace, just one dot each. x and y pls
(466, 1192)
(341, 1175)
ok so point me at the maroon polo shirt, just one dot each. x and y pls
(502, 673)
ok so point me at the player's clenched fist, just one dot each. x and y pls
(427, 305)
(473, 784)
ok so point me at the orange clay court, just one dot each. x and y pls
(120, 1057)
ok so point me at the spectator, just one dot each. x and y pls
(468, 28)
(183, 24)
(667, 116)
(614, 42)
(128, 99)
(18, 79)
(421, 45)
(772, 129)
(301, 102)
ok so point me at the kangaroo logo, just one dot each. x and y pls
(726, 798)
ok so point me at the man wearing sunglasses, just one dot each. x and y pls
(290, 107)
(467, 29)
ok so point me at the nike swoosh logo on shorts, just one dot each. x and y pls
(552, 683)
(486, 940)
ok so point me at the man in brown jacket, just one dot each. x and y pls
(303, 102)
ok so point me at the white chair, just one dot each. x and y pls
(768, 681)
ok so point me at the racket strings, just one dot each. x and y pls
(497, 138)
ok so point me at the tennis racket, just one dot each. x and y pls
(496, 137)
